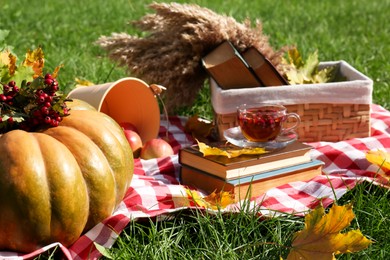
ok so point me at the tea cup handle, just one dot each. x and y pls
(295, 126)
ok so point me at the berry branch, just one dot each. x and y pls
(34, 105)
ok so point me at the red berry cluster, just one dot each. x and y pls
(9, 92)
(31, 106)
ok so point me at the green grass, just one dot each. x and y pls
(354, 31)
(196, 235)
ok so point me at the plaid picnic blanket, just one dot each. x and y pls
(155, 189)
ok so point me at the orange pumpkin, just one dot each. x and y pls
(57, 183)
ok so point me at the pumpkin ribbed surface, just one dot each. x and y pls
(61, 181)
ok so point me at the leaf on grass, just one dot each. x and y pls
(198, 127)
(321, 237)
(380, 158)
(207, 150)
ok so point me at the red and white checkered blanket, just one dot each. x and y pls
(155, 190)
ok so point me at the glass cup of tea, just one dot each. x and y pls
(264, 122)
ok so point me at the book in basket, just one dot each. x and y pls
(226, 65)
(244, 165)
(250, 186)
(265, 71)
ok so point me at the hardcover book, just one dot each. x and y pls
(244, 165)
(250, 186)
(265, 71)
(228, 68)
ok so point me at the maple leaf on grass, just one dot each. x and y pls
(321, 238)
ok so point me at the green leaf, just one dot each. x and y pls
(295, 58)
(3, 35)
(311, 65)
(103, 251)
(306, 72)
(23, 73)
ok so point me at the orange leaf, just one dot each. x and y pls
(195, 197)
(321, 237)
(380, 158)
(12, 64)
(9, 60)
(35, 59)
(56, 70)
(214, 200)
(219, 200)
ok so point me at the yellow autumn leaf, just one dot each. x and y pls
(56, 70)
(83, 83)
(196, 198)
(215, 200)
(9, 60)
(219, 200)
(380, 158)
(299, 71)
(207, 150)
(35, 59)
(4, 57)
(321, 238)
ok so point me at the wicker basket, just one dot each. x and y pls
(336, 111)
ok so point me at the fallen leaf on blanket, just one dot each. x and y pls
(207, 150)
(198, 128)
(195, 197)
(380, 158)
(321, 237)
(215, 200)
(219, 200)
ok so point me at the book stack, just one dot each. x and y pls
(247, 176)
(232, 69)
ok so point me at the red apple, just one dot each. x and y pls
(128, 126)
(156, 148)
(135, 142)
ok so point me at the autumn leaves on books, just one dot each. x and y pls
(247, 176)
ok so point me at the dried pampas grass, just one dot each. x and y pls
(177, 37)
